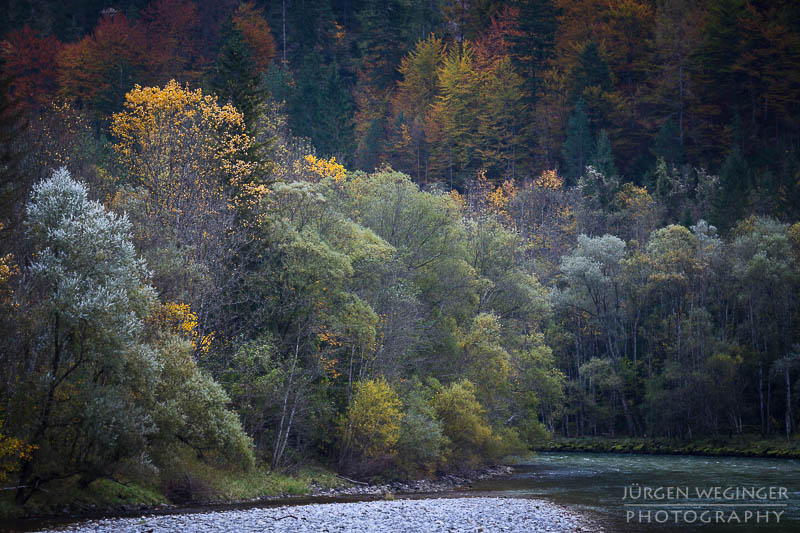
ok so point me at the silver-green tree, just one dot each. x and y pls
(88, 298)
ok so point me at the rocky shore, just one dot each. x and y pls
(441, 484)
(434, 515)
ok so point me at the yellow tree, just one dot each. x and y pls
(184, 149)
(371, 427)
(416, 93)
(453, 122)
(188, 157)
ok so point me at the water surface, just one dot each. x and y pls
(596, 482)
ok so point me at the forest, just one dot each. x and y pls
(395, 238)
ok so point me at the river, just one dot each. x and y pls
(596, 483)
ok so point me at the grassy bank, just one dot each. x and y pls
(749, 447)
(190, 481)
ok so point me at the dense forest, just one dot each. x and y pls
(393, 237)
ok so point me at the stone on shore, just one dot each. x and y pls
(432, 514)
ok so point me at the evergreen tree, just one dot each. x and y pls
(533, 43)
(370, 146)
(578, 145)
(603, 157)
(667, 144)
(236, 78)
(592, 70)
(321, 108)
(721, 85)
(592, 81)
(384, 38)
(13, 181)
(734, 179)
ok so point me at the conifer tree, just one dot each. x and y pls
(321, 108)
(667, 144)
(578, 145)
(603, 157)
(13, 181)
(592, 70)
(734, 178)
(457, 115)
(236, 77)
(534, 41)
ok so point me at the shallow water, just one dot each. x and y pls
(597, 483)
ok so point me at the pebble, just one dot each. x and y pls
(433, 514)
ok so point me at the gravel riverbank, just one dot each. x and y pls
(421, 486)
(435, 515)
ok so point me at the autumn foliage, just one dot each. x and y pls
(186, 149)
(100, 68)
(249, 20)
(30, 60)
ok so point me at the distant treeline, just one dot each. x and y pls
(441, 90)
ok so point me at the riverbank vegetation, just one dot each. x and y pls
(396, 239)
(750, 446)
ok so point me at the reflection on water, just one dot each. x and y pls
(598, 481)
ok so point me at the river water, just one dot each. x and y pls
(614, 487)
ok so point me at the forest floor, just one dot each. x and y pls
(748, 446)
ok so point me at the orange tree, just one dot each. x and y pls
(95, 71)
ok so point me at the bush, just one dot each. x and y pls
(465, 424)
(190, 407)
(371, 427)
(422, 443)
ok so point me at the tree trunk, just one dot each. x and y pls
(283, 428)
(44, 418)
(628, 417)
(283, 51)
(761, 395)
(788, 418)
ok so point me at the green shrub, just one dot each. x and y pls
(190, 407)
(422, 443)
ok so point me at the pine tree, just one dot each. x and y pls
(592, 70)
(321, 108)
(383, 39)
(734, 180)
(236, 77)
(237, 80)
(578, 144)
(534, 41)
(721, 87)
(667, 143)
(603, 157)
(13, 180)
(592, 81)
